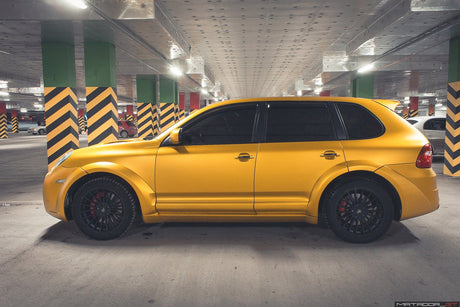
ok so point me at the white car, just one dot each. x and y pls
(37, 130)
(434, 128)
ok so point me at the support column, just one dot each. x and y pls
(363, 86)
(167, 103)
(14, 121)
(181, 105)
(146, 105)
(413, 106)
(431, 110)
(194, 102)
(3, 125)
(129, 113)
(405, 113)
(59, 78)
(325, 93)
(101, 92)
(81, 120)
(452, 151)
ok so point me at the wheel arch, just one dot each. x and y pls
(142, 192)
(367, 175)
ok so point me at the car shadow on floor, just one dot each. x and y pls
(257, 235)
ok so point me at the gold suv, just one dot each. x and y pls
(349, 163)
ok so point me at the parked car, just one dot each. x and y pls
(126, 129)
(434, 128)
(350, 163)
(37, 130)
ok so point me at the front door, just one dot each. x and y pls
(212, 170)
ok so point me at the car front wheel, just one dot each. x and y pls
(104, 208)
(124, 134)
(359, 211)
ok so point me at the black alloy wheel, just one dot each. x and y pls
(359, 211)
(104, 208)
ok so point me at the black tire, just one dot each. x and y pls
(359, 211)
(91, 205)
(124, 134)
(41, 131)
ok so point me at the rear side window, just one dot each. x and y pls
(359, 122)
(435, 124)
(299, 122)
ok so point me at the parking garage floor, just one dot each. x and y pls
(45, 262)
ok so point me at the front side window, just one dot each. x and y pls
(359, 122)
(299, 122)
(232, 125)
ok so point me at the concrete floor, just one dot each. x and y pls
(45, 262)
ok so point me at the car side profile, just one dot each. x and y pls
(348, 163)
(434, 128)
(126, 129)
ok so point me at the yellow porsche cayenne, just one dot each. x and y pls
(349, 163)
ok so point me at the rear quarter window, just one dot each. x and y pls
(359, 122)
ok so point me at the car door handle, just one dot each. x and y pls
(329, 154)
(244, 156)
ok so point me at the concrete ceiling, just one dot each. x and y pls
(242, 48)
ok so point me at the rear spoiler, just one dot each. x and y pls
(390, 104)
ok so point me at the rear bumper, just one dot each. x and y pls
(416, 188)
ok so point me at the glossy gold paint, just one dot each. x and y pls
(277, 182)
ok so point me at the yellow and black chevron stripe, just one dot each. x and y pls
(3, 127)
(144, 119)
(101, 109)
(130, 118)
(167, 117)
(81, 123)
(155, 126)
(182, 114)
(452, 149)
(176, 112)
(413, 113)
(14, 125)
(61, 122)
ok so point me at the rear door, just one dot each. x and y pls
(299, 147)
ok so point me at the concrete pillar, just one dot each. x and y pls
(14, 121)
(176, 101)
(452, 151)
(129, 113)
(167, 103)
(413, 106)
(363, 86)
(405, 113)
(194, 102)
(3, 124)
(431, 110)
(325, 93)
(146, 106)
(101, 92)
(81, 120)
(58, 59)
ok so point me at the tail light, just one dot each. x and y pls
(425, 157)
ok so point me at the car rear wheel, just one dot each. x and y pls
(41, 131)
(104, 208)
(359, 211)
(124, 134)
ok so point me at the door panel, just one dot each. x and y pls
(205, 179)
(286, 174)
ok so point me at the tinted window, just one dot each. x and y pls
(229, 126)
(435, 124)
(359, 122)
(299, 122)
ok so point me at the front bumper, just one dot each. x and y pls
(55, 187)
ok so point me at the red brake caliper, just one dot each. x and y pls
(342, 205)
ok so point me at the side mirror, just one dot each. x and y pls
(175, 136)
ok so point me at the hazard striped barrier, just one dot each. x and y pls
(452, 149)
(101, 109)
(167, 118)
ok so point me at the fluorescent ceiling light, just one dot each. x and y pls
(80, 4)
(4, 94)
(366, 68)
(176, 71)
(299, 93)
(438, 105)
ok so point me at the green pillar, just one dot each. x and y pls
(101, 92)
(167, 102)
(58, 59)
(147, 122)
(452, 148)
(363, 86)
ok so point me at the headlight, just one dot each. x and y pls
(63, 158)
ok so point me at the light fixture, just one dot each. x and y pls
(80, 4)
(23, 110)
(176, 71)
(3, 84)
(318, 90)
(299, 93)
(438, 105)
(204, 91)
(366, 68)
(4, 94)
